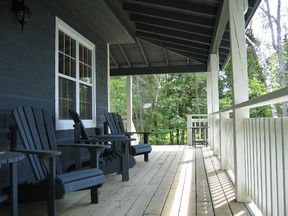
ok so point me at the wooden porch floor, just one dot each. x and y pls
(177, 180)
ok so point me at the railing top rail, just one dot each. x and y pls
(197, 115)
(199, 120)
(274, 97)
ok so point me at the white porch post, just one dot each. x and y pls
(223, 140)
(189, 130)
(129, 102)
(237, 9)
(214, 68)
(209, 107)
(108, 76)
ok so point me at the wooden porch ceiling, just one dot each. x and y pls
(174, 36)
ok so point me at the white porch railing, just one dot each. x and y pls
(264, 148)
(265, 152)
(266, 173)
(197, 126)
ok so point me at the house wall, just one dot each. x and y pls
(27, 69)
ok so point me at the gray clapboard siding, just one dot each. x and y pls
(27, 67)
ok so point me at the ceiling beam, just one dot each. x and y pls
(186, 27)
(124, 54)
(158, 70)
(193, 56)
(142, 51)
(174, 33)
(182, 6)
(170, 15)
(185, 48)
(111, 56)
(220, 26)
(166, 57)
(188, 51)
(173, 40)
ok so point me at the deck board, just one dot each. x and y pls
(177, 180)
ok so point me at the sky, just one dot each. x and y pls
(257, 21)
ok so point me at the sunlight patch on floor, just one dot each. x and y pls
(182, 196)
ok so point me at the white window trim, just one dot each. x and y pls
(68, 124)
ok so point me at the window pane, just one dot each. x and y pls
(67, 66)
(67, 97)
(85, 73)
(61, 41)
(85, 64)
(73, 48)
(81, 71)
(89, 57)
(73, 68)
(67, 45)
(81, 53)
(86, 101)
(67, 55)
(86, 55)
(61, 67)
(89, 74)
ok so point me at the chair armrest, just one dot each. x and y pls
(145, 135)
(136, 132)
(40, 153)
(118, 138)
(108, 136)
(80, 145)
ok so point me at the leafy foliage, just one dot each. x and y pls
(163, 101)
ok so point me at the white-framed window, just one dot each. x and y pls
(75, 78)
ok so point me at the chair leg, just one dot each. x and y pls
(94, 163)
(146, 157)
(51, 192)
(125, 161)
(95, 194)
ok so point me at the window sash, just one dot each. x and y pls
(74, 77)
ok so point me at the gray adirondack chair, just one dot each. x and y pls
(117, 158)
(116, 125)
(37, 133)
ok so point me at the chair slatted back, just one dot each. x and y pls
(77, 120)
(114, 123)
(37, 133)
(120, 122)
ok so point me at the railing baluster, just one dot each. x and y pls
(273, 167)
(253, 159)
(263, 164)
(285, 163)
(268, 169)
(279, 164)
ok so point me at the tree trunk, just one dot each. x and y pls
(263, 60)
(277, 45)
(141, 105)
(197, 97)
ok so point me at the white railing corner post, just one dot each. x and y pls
(189, 131)
(239, 91)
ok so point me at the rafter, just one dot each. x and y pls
(111, 56)
(176, 41)
(180, 17)
(182, 6)
(174, 33)
(185, 27)
(142, 51)
(166, 57)
(159, 70)
(124, 54)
